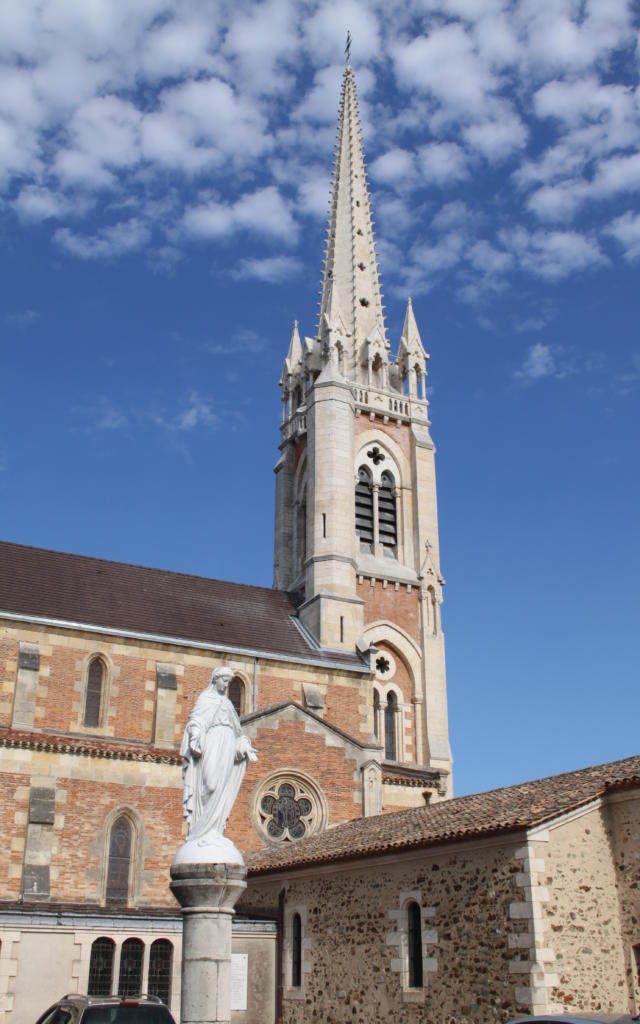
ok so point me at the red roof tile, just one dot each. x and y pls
(499, 810)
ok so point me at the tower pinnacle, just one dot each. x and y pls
(351, 266)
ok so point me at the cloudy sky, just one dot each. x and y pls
(164, 179)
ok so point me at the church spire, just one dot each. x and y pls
(351, 267)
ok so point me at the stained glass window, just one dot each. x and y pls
(119, 861)
(101, 967)
(130, 980)
(94, 693)
(160, 968)
(236, 694)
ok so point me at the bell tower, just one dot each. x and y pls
(356, 535)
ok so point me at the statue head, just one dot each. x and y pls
(221, 678)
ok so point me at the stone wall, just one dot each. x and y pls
(354, 959)
(623, 821)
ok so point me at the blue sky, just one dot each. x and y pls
(164, 181)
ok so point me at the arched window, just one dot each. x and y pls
(236, 694)
(364, 510)
(160, 968)
(130, 979)
(101, 967)
(95, 684)
(414, 934)
(390, 711)
(387, 529)
(296, 951)
(376, 714)
(119, 861)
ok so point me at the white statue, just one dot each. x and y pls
(215, 754)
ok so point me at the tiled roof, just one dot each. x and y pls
(114, 595)
(499, 810)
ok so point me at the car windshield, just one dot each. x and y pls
(127, 1014)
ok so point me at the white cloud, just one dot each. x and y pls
(446, 64)
(553, 255)
(396, 167)
(443, 163)
(497, 137)
(34, 202)
(262, 212)
(539, 363)
(125, 237)
(272, 268)
(626, 230)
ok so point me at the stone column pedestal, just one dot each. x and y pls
(207, 894)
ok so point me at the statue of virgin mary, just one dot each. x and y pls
(215, 753)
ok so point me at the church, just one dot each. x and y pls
(372, 891)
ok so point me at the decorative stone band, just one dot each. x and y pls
(18, 740)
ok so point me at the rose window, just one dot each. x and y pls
(288, 807)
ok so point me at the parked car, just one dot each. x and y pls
(79, 1009)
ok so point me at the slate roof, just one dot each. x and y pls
(139, 600)
(496, 811)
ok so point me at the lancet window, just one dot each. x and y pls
(376, 517)
(236, 694)
(119, 867)
(390, 714)
(296, 951)
(95, 687)
(414, 944)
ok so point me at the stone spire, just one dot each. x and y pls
(351, 267)
(294, 355)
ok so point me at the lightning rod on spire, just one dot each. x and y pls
(347, 49)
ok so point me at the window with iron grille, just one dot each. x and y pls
(387, 530)
(296, 951)
(130, 979)
(364, 510)
(390, 711)
(414, 933)
(93, 699)
(236, 694)
(101, 967)
(119, 861)
(160, 968)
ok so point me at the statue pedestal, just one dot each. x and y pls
(207, 894)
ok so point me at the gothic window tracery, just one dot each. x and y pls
(288, 807)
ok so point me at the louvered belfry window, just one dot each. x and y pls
(94, 693)
(119, 861)
(387, 530)
(364, 510)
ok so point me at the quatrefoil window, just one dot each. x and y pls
(375, 455)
